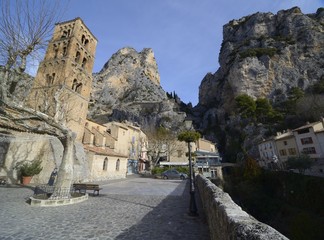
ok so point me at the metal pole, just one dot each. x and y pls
(192, 205)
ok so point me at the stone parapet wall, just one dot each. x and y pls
(227, 220)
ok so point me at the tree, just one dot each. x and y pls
(188, 136)
(265, 112)
(301, 163)
(318, 87)
(25, 27)
(162, 142)
(310, 107)
(251, 168)
(263, 108)
(293, 95)
(246, 106)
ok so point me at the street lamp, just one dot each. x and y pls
(190, 136)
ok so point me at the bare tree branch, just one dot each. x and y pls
(25, 27)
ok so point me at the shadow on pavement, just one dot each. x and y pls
(170, 220)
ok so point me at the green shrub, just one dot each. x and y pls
(158, 170)
(29, 168)
(258, 52)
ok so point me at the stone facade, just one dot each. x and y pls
(17, 147)
(132, 142)
(226, 220)
(64, 78)
(307, 139)
(104, 162)
(62, 90)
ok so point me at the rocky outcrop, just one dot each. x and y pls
(265, 55)
(128, 88)
(262, 55)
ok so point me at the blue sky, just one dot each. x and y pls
(185, 35)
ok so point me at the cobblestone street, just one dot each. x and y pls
(134, 208)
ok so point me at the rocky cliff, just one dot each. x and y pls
(128, 88)
(263, 55)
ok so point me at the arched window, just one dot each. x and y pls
(55, 53)
(82, 38)
(84, 62)
(105, 164)
(86, 42)
(74, 84)
(48, 79)
(64, 51)
(77, 57)
(65, 34)
(78, 88)
(53, 78)
(117, 164)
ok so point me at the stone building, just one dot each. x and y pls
(63, 82)
(307, 139)
(275, 151)
(131, 142)
(61, 90)
(103, 161)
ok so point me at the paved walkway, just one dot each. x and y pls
(134, 208)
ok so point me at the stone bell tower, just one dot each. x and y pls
(63, 82)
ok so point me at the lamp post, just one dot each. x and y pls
(190, 136)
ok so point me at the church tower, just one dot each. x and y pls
(63, 82)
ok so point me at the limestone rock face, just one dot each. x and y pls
(128, 88)
(265, 55)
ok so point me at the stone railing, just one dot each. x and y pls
(226, 220)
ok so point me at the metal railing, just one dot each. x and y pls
(51, 192)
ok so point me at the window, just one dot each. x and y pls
(309, 150)
(105, 164)
(64, 51)
(48, 79)
(55, 53)
(65, 34)
(77, 57)
(292, 151)
(117, 164)
(307, 140)
(285, 143)
(84, 62)
(283, 152)
(53, 78)
(78, 88)
(74, 84)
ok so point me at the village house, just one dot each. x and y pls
(307, 139)
(208, 161)
(132, 142)
(205, 157)
(275, 151)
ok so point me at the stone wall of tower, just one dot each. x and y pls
(65, 74)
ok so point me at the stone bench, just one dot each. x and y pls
(83, 187)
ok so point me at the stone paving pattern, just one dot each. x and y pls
(134, 208)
